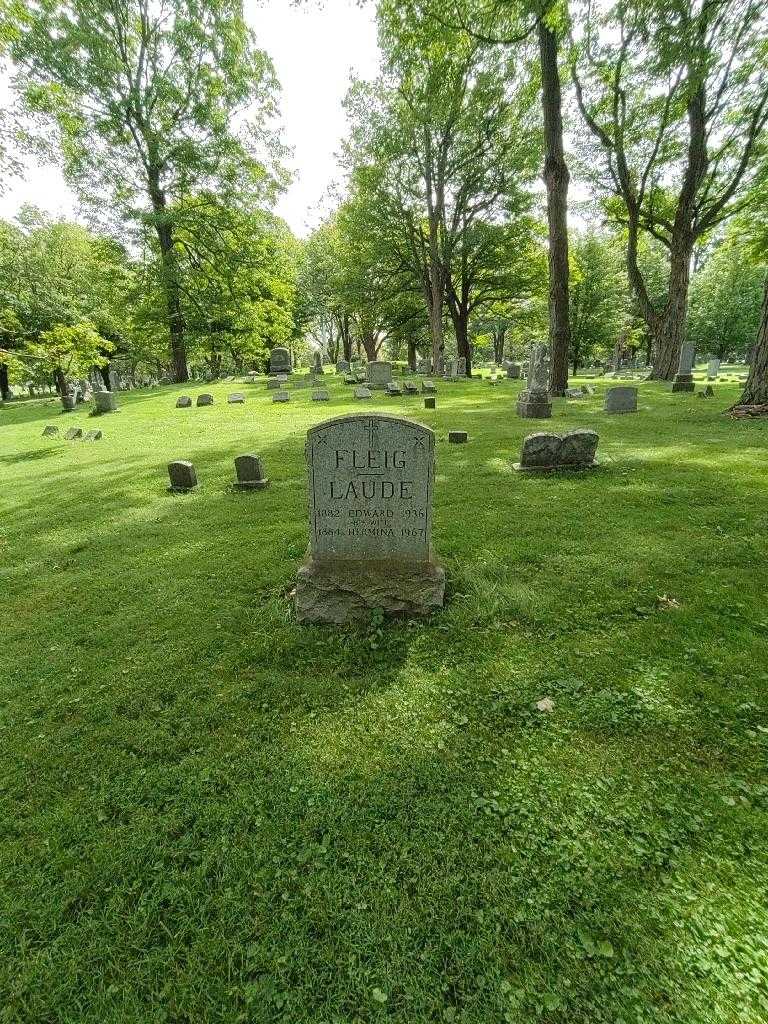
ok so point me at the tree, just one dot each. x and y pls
(726, 295)
(70, 351)
(675, 95)
(599, 297)
(755, 233)
(145, 97)
(500, 23)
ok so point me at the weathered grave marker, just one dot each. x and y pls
(281, 396)
(544, 453)
(183, 476)
(379, 374)
(183, 402)
(684, 377)
(250, 473)
(370, 507)
(205, 399)
(236, 398)
(321, 395)
(94, 435)
(280, 361)
(73, 434)
(457, 437)
(534, 401)
(362, 392)
(621, 399)
(50, 431)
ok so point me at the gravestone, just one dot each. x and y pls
(73, 434)
(370, 512)
(424, 366)
(205, 399)
(362, 392)
(250, 473)
(379, 374)
(543, 453)
(280, 361)
(393, 388)
(183, 476)
(574, 392)
(50, 431)
(105, 401)
(273, 383)
(410, 388)
(621, 399)
(684, 377)
(281, 396)
(708, 392)
(534, 401)
(183, 402)
(713, 368)
(318, 362)
(458, 368)
(457, 437)
(350, 379)
(236, 398)
(428, 387)
(69, 400)
(321, 395)
(513, 371)
(587, 389)
(94, 435)
(429, 403)
(342, 366)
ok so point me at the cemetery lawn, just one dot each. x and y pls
(212, 814)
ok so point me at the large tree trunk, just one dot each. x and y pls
(460, 318)
(436, 320)
(5, 391)
(756, 389)
(556, 179)
(61, 382)
(170, 279)
(346, 340)
(669, 329)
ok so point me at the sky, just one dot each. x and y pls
(315, 48)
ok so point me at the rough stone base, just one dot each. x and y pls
(683, 383)
(565, 466)
(534, 409)
(250, 485)
(339, 592)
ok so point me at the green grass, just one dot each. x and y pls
(210, 813)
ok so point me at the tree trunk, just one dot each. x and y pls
(104, 374)
(556, 179)
(346, 340)
(5, 392)
(411, 354)
(436, 319)
(756, 389)
(61, 382)
(499, 337)
(170, 279)
(460, 318)
(670, 327)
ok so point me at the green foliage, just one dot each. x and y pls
(213, 815)
(599, 296)
(71, 351)
(726, 299)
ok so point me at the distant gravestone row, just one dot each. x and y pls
(74, 434)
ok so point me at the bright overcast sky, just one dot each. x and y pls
(315, 49)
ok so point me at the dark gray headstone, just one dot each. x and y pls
(281, 396)
(183, 476)
(73, 434)
(205, 399)
(183, 402)
(250, 473)
(393, 388)
(50, 431)
(94, 435)
(236, 398)
(457, 437)
(428, 387)
(280, 360)
(106, 401)
(429, 403)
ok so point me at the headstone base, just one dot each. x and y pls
(340, 592)
(564, 466)
(250, 485)
(683, 382)
(534, 407)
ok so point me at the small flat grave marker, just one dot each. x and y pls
(50, 431)
(457, 437)
(236, 398)
(362, 392)
(94, 435)
(205, 399)
(321, 395)
(183, 402)
(73, 434)
(281, 396)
